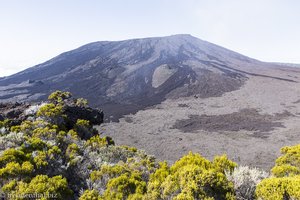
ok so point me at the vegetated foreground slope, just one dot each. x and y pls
(51, 151)
(125, 76)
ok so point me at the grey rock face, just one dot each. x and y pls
(125, 76)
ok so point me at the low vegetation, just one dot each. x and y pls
(51, 155)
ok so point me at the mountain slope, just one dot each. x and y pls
(125, 76)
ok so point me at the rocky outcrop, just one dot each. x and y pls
(18, 112)
(73, 112)
(15, 112)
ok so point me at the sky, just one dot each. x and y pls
(34, 31)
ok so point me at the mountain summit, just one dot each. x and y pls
(125, 76)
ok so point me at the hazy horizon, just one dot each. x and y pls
(34, 32)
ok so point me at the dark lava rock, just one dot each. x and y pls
(13, 110)
(95, 116)
(14, 113)
(245, 119)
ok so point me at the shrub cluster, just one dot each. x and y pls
(285, 180)
(48, 155)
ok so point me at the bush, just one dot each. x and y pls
(192, 177)
(289, 163)
(125, 186)
(50, 110)
(81, 102)
(59, 96)
(96, 142)
(40, 186)
(84, 129)
(285, 182)
(90, 195)
(245, 181)
(279, 188)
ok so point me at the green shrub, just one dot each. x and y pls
(285, 182)
(59, 96)
(97, 142)
(81, 102)
(125, 186)
(14, 169)
(48, 188)
(50, 110)
(156, 180)
(192, 177)
(289, 163)
(5, 123)
(91, 195)
(279, 188)
(12, 155)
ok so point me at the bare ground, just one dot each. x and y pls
(245, 119)
(231, 124)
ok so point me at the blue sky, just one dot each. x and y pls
(33, 31)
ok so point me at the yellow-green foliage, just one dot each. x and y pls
(285, 181)
(289, 163)
(122, 181)
(133, 149)
(109, 171)
(27, 127)
(50, 188)
(59, 96)
(72, 152)
(96, 142)
(12, 155)
(125, 186)
(73, 134)
(192, 177)
(44, 132)
(81, 102)
(33, 144)
(279, 188)
(33, 153)
(83, 123)
(9, 186)
(223, 164)
(15, 129)
(50, 110)
(40, 159)
(14, 169)
(156, 180)
(84, 128)
(90, 195)
(4, 123)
